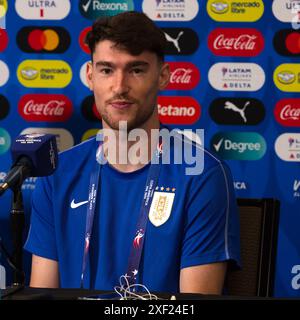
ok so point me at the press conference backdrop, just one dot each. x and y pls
(235, 73)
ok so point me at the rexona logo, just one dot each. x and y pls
(171, 10)
(235, 11)
(239, 145)
(287, 112)
(5, 141)
(4, 107)
(43, 39)
(92, 9)
(178, 110)
(235, 42)
(286, 10)
(4, 73)
(45, 107)
(180, 41)
(287, 77)
(82, 40)
(89, 110)
(44, 73)
(43, 9)
(237, 111)
(64, 138)
(3, 39)
(184, 76)
(287, 42)
(287, 147)
(236, 76)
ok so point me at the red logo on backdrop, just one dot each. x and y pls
(287, 112)
(82, 40)
(3, 39)
(178, 110)
(184, 76)
(45, 107)
(242, 42)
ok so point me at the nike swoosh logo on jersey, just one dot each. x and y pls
(78, 204)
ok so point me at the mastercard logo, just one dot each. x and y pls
(287, 42)
(43, 39)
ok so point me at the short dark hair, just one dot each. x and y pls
(132, 31)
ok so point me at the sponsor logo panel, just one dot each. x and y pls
(89, 110)
(287, 77)
(171, 10)
(235, 11)
(243, 42)
(4, 107)
(43, 10)
(287, 112)
(4, 73)
(3, 39)
(45, 107)
(5, 141)
(180, 41)
(239, 145)
(82, 74)
(236, 76)
(43, 39)
(178, 110)
(237, 111)
(296, 188)
(64, 139)
(184, 76)
(92, 9)
(82, 40)
(44, 73)
(287, 42)
(287, 147)
(89, 134)
(286, 10)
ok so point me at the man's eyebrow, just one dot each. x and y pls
(137, 63)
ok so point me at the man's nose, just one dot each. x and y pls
(120, 84)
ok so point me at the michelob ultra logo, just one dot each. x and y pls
(235, 11)
(287, 77)
(287, 147)
(286, 10)
(3, 8)
(44, 73)
(239, 145)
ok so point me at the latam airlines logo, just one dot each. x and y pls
(239, 145)
(235, 42)
(287, 112)
(287, 42)
(45, 107)
(184, 76)
(3, 39)
(171, 10)
(287, 147)
(5, 141)
(44, 73)
(92, 9)
(4, 73)
(178, 110)
(235, 11)
(236, 76)
(43, 10)
(287, 10)
(287, 77)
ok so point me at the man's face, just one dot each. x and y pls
(126, 86)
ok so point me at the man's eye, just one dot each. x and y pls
(105, 71)
(137, 70)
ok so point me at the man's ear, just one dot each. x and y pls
(89, 75)
(164, 77)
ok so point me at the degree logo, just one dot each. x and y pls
(287, 42)
(287, 77)
(4, 73)
(5, 141)
(44, 73)
(3, 39)
(43, 39)
(235, 11)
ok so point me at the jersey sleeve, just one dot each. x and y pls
(211, 232)
(41, 236)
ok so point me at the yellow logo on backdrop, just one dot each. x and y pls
(3, 8)
(44, 73)
(90, 133)
(235, 11)
(287, 77)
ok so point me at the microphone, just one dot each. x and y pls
(34, 155)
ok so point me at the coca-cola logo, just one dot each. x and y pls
(242, 42)
(82, 39)
(45, 107)
(184, 76)
(287, 112)
(178, 110)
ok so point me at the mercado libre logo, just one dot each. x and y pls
(287, 77)
(43, 39)
(287, 42)
(92, 9)
(239, 145)
(44, 73)
(5, 141)
(3, 8)
(235, 11)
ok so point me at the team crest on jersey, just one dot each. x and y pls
(161, 207)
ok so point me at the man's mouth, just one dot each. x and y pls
(121, 104)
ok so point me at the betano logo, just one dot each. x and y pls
(4, 73)
(287, 77)
(44, 73)
(235, 11)
(171, 10)
(239, 145)
(3, 8)
(43, 10)
(4, 141)
(286, 10)
(287, 147)
(92, 9)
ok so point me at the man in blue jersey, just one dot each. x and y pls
(98, 219)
